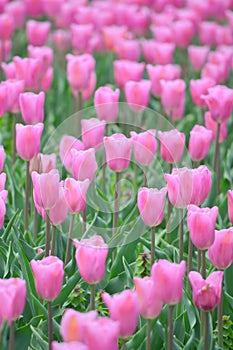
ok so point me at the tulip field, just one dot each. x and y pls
(116, 174)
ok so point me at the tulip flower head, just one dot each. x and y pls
(206, 293)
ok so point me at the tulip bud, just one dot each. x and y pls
(28, 140)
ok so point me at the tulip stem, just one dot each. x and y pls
(169, 210)
(181, 232)
(203, 264)
(198, 260)
(47, 239)
(170, 327)
(190, 254)
(206, 334)
(145, 177)
(50, 324)
(92, 299)
(123, 347)
(220, 326)
(152, 260)
(104, 163)
(116, 204)
(84, 224)
(216, 165)
(12, 337)
(69, 243)
(53, 240)
(78, 106)
(35, 226)
(148, 331)
(26, 206)
(13, 138)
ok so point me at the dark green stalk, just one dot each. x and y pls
(206, 334)
(13, 138)
(220, 324)
(170, 327)
(116, 204)
(181, 234)
(69, 243)
(216, 164)
(169, 210)
(148, 331)
(84, 224)
(50, 325)
(12, 337)
(26, 206)
(54, 236)
(47, 239)
(92, 299)
(203, 264)
(152, 260)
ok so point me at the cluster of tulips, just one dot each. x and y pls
(141, 40)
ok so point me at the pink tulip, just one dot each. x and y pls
(9, 69)
(46, 188)
(52, 8)
(62, 39)
(2, 158)
(173, 98)
(84, 164)
(92, 132)
(73, 325)
(145, 146)
(89, 90)
(48, 274)
(106, 103)
(14, 89)
(230, 205)
(221, 251)
(222, 61)
(59, 212)
(17, 10)
(112, 34)
(128, 49)
(183, 31)
(171, 145)
(34, 8)
(28, 140)
(44, 53)
(180, 186)
(224, 35)
(168, 278)
(66, 145)
(2, 180)
(138, 20)
(118, 150)
(81, 34)
(206, 293)
(220, 109)
(91, 254)
(137, 94)
(202, 183)
(198, 56)
(125, 70)
(79, 69)
(32, 107)
(45, 162)
(13, 298)
(212, 125)
(198, 89)
(158, 53)
(162, 33)
(150, 304)
(151, 205)
(3, 198)
(159, 72)
(199, 142)
(5, 50)
(75, 194)
(6, 26)
(74, 345)
(102, 334)
(123, 308)
(29, 70)
(213, 71)
(37, 32)
(207, 33)
(3, 99)
(201, 224)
